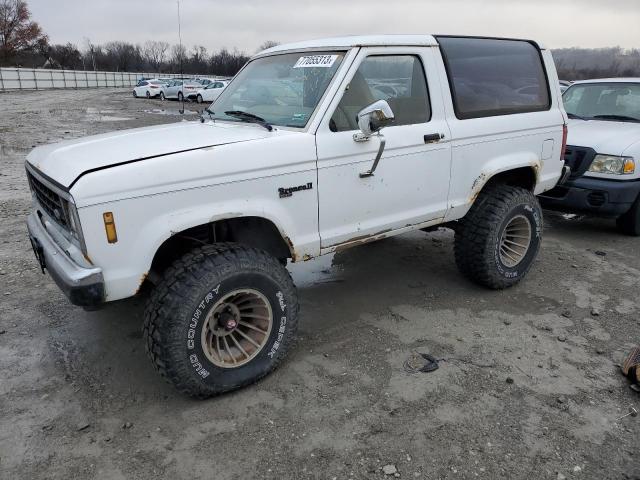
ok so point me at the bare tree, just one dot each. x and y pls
(154, 53)
(17, 31)
(267, 44)
(123, 55)
(178, 56)
(89, 54)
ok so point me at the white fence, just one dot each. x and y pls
(37, 78)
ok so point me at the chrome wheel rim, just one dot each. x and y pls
(237, 328)
(515, 241)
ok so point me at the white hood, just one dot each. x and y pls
(606, 137)
(66, 161)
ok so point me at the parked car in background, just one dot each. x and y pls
(564, 84)
(211, 91)
(149, 88)
(603, 152)
(301, 158)
(181, 89)
(205, 80)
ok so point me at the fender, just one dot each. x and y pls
(497, 165)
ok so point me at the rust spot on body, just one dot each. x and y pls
(359, 240)
(142, 279)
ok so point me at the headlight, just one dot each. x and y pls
(74, 223)
(612, 164)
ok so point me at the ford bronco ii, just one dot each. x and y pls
(313, 147)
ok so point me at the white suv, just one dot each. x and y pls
(603, 150)
(313, 148)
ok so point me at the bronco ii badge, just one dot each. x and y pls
(288, 192)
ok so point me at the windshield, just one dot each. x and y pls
(282, 90)
(604, 101)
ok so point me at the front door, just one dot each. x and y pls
(411, 183)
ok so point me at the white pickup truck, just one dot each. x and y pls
(313, 147)
(602, 152)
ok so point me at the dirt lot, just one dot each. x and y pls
(530, 386)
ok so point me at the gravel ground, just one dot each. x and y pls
(529, 386)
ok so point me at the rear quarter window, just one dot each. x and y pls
(490, 77)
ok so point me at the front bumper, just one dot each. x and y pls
(83, 286)
(601, 196)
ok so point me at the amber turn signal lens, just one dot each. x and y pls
(629, 166)
(110, 227)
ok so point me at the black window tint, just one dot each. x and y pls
(491, 77)
(398, 79)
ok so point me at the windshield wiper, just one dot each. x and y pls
(573, 115)
(623, 118)
(249, 117)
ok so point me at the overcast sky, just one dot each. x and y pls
(245, 24)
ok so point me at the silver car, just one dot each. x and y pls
(180, 89)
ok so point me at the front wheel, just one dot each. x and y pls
(135, 95)
(499, 238)
(199, 98)
(148, 95)
(222, 317)
(629, 223)
(162, 96)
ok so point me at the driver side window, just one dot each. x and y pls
(398, 79)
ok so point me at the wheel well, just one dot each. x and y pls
(251, 231)
(525, 177)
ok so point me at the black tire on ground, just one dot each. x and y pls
(161, 95)
(180, 96)
(135, 95)
(148, 94)
(199, 98)
(189, 308)
(629, 223)
(491, 245)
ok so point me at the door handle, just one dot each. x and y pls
(433, 137)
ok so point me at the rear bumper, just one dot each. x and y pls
(82, 286)
(608, 198)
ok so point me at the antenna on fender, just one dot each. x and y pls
(181, 54)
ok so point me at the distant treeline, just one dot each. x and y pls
(157, 56)
(584, 63)
(152, 56)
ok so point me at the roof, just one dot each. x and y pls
(610, 80)
(357, 41)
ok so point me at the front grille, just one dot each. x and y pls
(50, 201)
(578, 159)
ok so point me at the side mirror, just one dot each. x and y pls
(373, 118)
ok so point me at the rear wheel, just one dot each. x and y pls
(222, 317)
(199, 98)
(148, 95)
(629, 223)
(499, 238)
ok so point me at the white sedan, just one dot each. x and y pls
(211, 91)
(148, 88)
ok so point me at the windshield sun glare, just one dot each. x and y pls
(281, 90)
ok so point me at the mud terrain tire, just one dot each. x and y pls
(499, 238)
(629, 223)
(192, 309)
